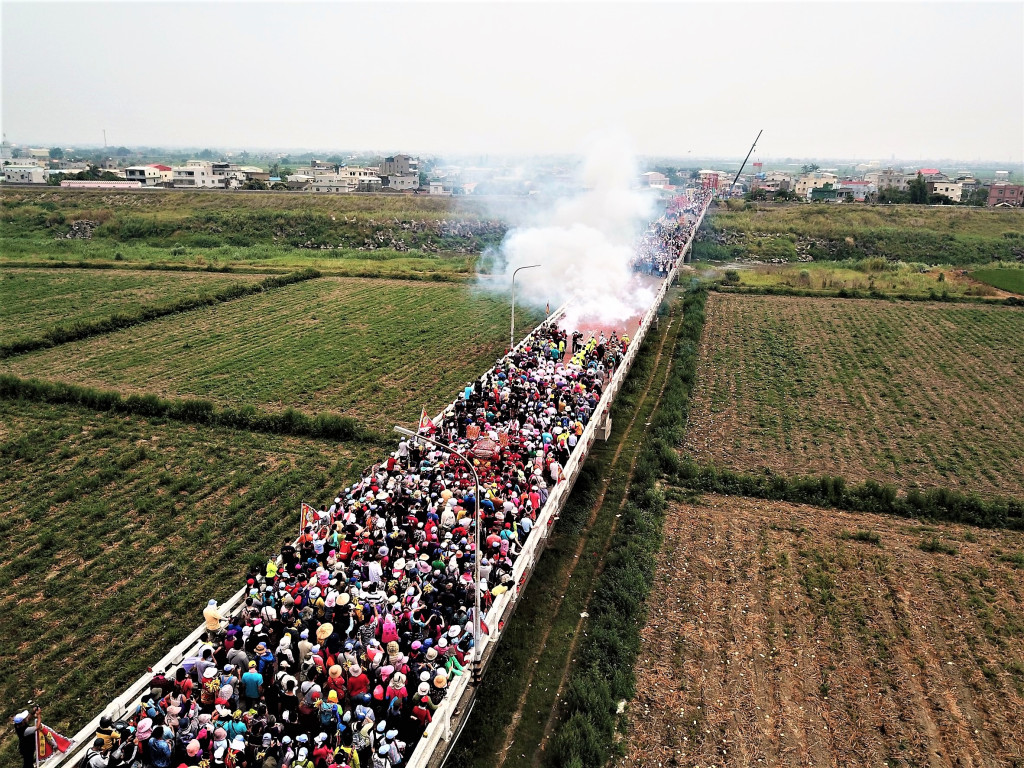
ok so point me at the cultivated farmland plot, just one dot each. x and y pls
(376, 350)
(779, 635)
(913, 394)
(118, 529)
(32, 301)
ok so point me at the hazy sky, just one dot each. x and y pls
(868, 80)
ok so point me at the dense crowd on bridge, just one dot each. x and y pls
(662, 243)
(349, 639)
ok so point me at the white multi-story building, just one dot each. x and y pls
(347, 179)
(24, 174)
(815, 180)
(889, 177)
(951, 189)
(198, 174)
(402, 183)
(148, 175)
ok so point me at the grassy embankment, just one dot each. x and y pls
(373, 236)
(904, 233)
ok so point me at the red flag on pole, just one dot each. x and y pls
(48, 741)
(307, 516)
(426, 423)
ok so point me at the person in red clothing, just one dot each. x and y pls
(358, 682)
(335, 682)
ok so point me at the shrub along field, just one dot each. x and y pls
(375, 350)
(914, 394)
(781, 635)
(348, 234)
(908, 233)
(117, 531)
(874, 277)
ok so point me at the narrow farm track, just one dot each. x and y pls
(530, 734)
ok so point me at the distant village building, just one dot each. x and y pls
(24, 173)
(439, 188)
(400, 183)
(345, 180)
(857, 190)
(951, 189)
(197, 174)
(400, 165)
(816, 180)
(889, 178)
(654, 180)
(772, 182)
(1004, 195)
(146, 175)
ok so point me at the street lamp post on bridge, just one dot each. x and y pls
(512, 333)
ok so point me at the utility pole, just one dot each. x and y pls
(745, 162)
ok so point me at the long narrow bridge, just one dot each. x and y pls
(453, 712)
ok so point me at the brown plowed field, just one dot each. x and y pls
(913, 394)
(785, 635)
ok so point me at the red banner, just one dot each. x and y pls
(48, 741)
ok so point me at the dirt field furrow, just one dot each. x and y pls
(787, 635)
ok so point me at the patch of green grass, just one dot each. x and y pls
(1011, 280)
(32, 301)
(935, 544)
(377, 351)
(868, 537)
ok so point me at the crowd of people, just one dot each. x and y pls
(662, 243)
(349, 639)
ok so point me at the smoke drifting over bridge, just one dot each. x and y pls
(584, 243)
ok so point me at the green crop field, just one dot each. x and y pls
(909, 233)
(117, 530)
(32, 301)
(376, 350)
(369, 235)
(1011, 280)
(917, 395)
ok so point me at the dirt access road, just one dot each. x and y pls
(787, 635)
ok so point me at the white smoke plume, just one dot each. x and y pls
(584, 244)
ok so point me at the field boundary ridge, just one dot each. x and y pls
(834, 492)
(368, 273)
(331, 426)
(854, 293)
